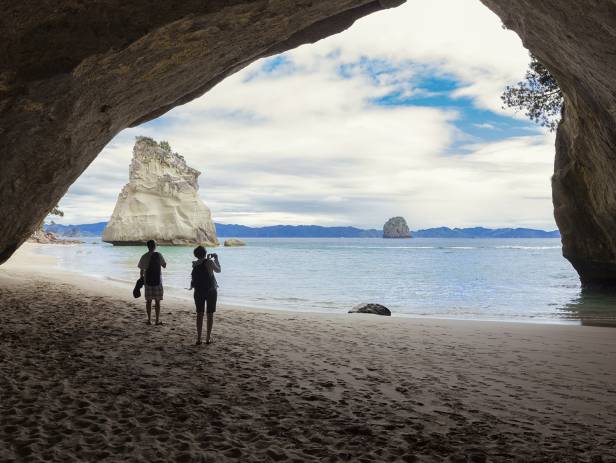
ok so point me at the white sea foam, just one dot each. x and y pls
(383, 247)
(528, 247)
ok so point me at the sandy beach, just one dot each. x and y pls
(83, 378)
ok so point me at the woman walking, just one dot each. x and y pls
(206, 289)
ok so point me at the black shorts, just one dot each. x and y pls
(202, 298)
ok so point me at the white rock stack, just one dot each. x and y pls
(160, 201)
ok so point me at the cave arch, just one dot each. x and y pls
(73, 75)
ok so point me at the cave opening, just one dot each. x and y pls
(331, 132)
(106, 86)
(421, 108)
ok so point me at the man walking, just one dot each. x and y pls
(150, 265)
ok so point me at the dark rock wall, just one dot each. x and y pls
(576, 40)
(73, 73)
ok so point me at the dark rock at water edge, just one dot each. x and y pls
(376, 309)
(234, 242)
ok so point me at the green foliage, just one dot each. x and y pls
(165, 145)
(148, 140)
(151, 142)
(539, 96)
(56, 211)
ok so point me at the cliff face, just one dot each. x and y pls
(575, 40)
(73, 74)
(160, 201)
(396, 227)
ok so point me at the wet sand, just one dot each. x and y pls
(83, 378)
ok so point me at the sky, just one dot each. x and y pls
(399, 115)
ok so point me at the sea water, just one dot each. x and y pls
(486, 279)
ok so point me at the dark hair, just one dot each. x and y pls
(200, 252)
(151, 245)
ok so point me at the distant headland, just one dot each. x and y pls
(316, 231)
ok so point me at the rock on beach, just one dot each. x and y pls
(376, 309)
(234, 242)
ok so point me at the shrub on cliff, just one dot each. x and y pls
(538, 95)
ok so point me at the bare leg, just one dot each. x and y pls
(157, 309)
(148, 310)
(210, 322)
(199, 327)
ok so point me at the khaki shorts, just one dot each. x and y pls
(154, 292)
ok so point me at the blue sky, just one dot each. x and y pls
(399, 115)
(480, 124)
(433, 88)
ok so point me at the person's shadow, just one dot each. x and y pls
(592, 308)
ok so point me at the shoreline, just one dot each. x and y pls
(83, 378)
(27, 259)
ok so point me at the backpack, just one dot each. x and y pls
(202, 279)
(152, 273)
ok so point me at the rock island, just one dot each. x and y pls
(160, 201)
(396, 227)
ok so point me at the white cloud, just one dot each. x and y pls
(485, 125)
(304, 145)
(461, 37)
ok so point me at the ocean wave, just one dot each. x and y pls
(405, 247)
(527, 247)
(117, 280)
(289, 299)
(383, 247)
(456, 247)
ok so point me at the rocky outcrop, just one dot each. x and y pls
(375, 309)
(396, 227)
(160, 201)
(234, 242)
(73, 74)
(43, 237)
